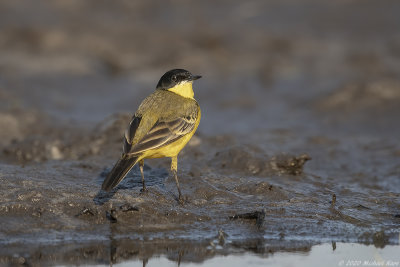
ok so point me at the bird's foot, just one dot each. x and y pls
(144, 190)
(182, 200)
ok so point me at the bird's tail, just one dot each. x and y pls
(121, 168)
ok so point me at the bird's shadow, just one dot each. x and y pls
(152, 176)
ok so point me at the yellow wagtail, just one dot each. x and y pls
(163, 124)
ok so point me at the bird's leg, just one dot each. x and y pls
(174, 169)
(141, 164)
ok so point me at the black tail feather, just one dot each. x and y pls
(121, 168)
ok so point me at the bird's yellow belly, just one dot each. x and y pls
(170, 150)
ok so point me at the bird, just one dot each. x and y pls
(161, 127)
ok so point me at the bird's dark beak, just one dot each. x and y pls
(195, 77)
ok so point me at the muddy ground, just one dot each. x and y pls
(298, 143)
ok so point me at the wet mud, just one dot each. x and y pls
(298, 143)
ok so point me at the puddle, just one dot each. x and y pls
(329, 254)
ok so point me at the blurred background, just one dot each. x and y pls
(307, 65)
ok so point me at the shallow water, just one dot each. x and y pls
(330, 254)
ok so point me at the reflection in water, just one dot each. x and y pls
(345, 254)
(128, 252)
(142, 252)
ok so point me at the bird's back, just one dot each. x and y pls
(162, 105)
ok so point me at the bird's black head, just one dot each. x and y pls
(173, 77)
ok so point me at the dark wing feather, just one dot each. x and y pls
(164, 133)
(130, 133)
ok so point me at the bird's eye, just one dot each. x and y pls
(174, 78)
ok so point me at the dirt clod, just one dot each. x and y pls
(289, 164)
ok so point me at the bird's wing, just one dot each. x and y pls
(130, 133)
(162, 133)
